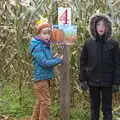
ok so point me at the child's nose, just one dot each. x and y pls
(48, 36)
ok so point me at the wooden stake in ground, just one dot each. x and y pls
(65, 86)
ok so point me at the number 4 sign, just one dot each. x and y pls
(64, 16)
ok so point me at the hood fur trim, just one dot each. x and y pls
(93, 21)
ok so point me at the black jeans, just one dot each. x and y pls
(98, 95)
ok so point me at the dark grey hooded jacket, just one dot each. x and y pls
(99, 60)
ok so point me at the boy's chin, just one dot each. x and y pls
(47, 40)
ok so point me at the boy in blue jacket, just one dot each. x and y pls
(43, 62)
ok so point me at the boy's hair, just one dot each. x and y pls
(105, 23)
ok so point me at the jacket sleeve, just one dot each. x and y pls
(83, 63)
(39, 55)
(117, 65)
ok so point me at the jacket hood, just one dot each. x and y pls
(97, 17)
(33, 44)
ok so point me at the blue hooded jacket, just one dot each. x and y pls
(43, 60)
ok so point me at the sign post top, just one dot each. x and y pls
(64, 16)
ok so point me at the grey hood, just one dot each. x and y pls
(97, 17)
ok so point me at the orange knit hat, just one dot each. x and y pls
(41, 26)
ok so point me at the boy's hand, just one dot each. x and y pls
(61, 57)
(55, 55)
(84, 86)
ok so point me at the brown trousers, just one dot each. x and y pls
(41, 110)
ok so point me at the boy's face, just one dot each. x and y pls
(45, 34)
(100, 28)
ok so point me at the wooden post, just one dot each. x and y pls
(65, 86)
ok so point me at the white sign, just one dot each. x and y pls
(64, 16)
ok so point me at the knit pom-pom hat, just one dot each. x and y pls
(41, 26)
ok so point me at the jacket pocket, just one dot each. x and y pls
(88, 69)
(88, 73)
(108, 56)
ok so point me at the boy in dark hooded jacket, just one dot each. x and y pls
(98, 66)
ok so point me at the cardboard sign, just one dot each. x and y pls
(64, 34)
